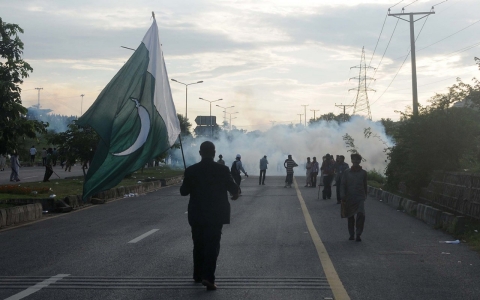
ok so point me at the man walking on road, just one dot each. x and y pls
(308, 168)
(353, 192)
(44, 156)
(340, 167)
(314, 172)
(48, 165)
(15, 166)
(220, 160)
(236, 168)
(207, 183)
(328, 169)
(263, 170)
(33, 152)
(289, 164)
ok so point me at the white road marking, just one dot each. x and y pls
(30, 177)
(37, 287)
(143, 236)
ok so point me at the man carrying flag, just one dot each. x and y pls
(134, 116)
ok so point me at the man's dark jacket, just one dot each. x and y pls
(207, 183)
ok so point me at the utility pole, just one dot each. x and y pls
(38, 106)
(81, 105)
(305, 106)
(412, 50)
(344, 120)
(314, 110)
(361, 101)
(300, 118)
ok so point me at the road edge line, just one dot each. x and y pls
(333, 279)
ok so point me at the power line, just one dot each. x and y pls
(370, 63)
(449, 35)
(385, 49)
(410, 3)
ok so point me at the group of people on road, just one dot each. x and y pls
(208, 182)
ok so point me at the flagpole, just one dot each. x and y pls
(181, 147)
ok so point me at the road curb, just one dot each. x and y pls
(21, 214)
(428, 214)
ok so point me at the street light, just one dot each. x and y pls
(231, 118)
(211, 127)
(81, 105)
(225, 111)
(186, 90)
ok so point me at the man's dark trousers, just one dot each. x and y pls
(48, 173)
(206, 247)
(356, 224)
(327, 186)
(238, 180)
(313, 177)
(261, 180)
(337, 183)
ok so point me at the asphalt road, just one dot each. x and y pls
(140, 248)
(32, 174)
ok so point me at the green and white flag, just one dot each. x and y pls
(134, 116)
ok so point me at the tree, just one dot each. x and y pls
(13, 69)
(437, 139)
(76, 143)
(184, 125)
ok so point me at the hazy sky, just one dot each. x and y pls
(265, 57)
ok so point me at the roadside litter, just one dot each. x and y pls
(130, 195)
(450, 242)
(52, 196)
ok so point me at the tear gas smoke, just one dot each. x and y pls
(281, 140)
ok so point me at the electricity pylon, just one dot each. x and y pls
(361, 102)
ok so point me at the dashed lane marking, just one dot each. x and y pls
(143, 236)
(336, 284)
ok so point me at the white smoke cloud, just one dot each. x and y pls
(300, 142)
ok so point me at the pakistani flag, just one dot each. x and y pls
(134, 116)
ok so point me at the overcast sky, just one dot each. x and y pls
(265, 57)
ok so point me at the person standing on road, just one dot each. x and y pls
(263, 170)
(236, 168)
(220, 160)
(33, 152)
(314, 172)
(54, 157)
(3, 162)
(353, 193)
(207, 183)
(289, 164)
(308, 168)
(48, 165)
(328, 169)
(44, 157)
(15, 166)
(340, 167)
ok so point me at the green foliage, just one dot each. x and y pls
(390, 126)
(441, 137)
(184, 125)
(13, 69)
(77, 143)
(374, 175)
(331, 117)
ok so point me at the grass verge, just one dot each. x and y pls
(74, 186)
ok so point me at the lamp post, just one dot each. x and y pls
(81, 105)
(186, 92)
(300, 118)
(231, 118)
(305, 106)
(211, 127)
(225, 111)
